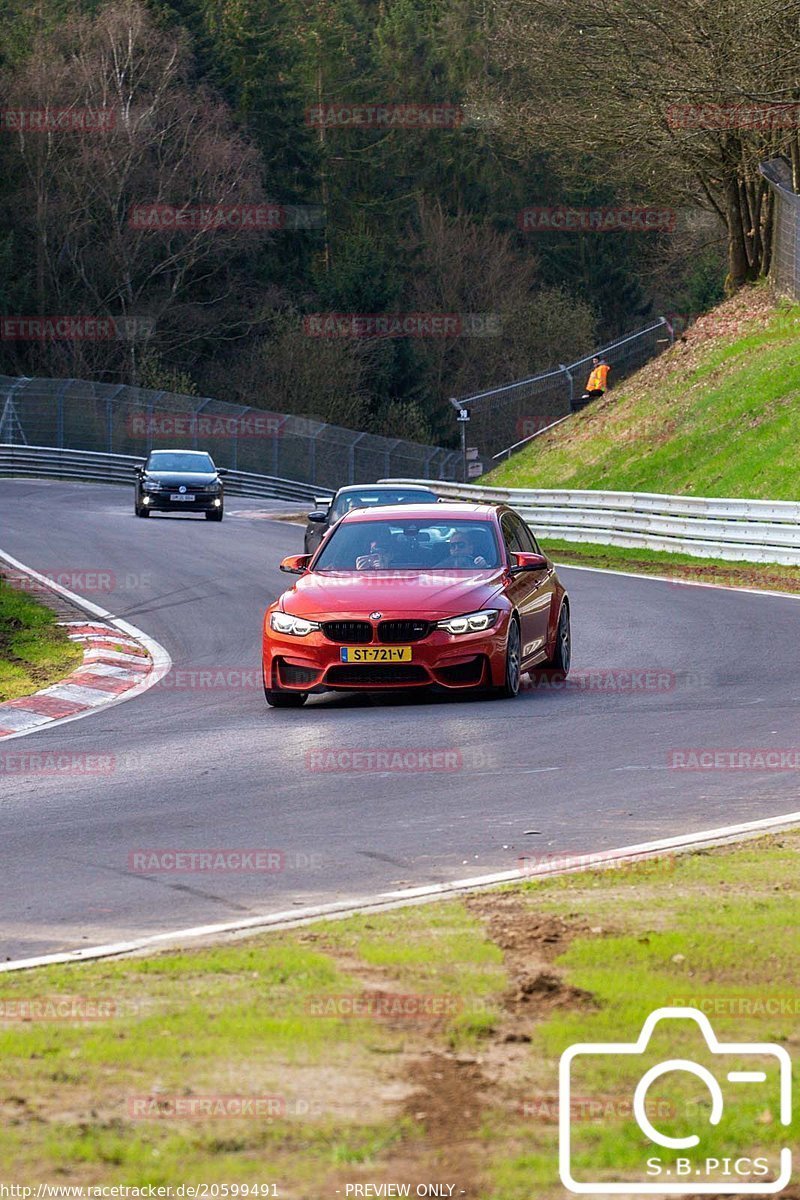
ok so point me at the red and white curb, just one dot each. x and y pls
(119, 662)
(112, 664)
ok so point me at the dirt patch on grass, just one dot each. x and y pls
(449, 1097)
(519, 930)
(451, 1092)
(530, 941)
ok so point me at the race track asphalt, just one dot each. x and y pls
(199, 767)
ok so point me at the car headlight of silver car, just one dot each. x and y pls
(283, 622)
(470, 622)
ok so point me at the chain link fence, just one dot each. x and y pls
(117, 419)
(785, 262)
(504, 418)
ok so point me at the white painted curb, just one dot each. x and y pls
(338, 910)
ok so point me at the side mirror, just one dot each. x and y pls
(318, 516)
(222, 471)
(528, 562)
(296, 564)
(138, 470)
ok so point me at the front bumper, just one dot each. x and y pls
(442, 659)
(161, 502)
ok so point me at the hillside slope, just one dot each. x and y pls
(717, 415)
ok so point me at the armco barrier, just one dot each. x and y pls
(738, 530)
(95, 467)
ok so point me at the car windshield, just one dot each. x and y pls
(170, 460)
(418, 545)
(369, 499)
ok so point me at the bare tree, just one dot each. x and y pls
(153, 138)
(660, 101)
(291, 372)
(473, 269)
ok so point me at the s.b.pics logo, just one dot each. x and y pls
(715, 1091)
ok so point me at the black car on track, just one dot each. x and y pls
(179, 481)
(360, 495)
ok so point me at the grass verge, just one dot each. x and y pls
(717, 415)
(766, 576)
(413, 1047)
(34, 650)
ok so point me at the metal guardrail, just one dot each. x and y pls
(97, 467)
(738, 530)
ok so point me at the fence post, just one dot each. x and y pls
(110, 418)
(351, 455)
(60, 413)
(195, 413)
(571, 383)
(150, 403)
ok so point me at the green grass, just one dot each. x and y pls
(721, 932)
(768, 576)
(721, 420)
(234, 1021)
(34, 650)
(239, 1020)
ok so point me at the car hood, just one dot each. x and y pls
(188, 478)
(434, 594)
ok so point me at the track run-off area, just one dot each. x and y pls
(199, 763)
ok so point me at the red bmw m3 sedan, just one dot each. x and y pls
(458, 596)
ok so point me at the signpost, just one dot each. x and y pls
(463, 418)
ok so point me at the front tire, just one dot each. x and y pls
(562, 652)
(214, 514)
(141, 512)
(510, 685)
(285, 699)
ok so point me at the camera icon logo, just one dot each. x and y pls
(669, 1166)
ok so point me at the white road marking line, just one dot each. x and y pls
(721, 587)
(382, 901)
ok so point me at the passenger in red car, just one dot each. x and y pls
(463, 550)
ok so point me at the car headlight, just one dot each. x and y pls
(283, 622)
(151, 485)
(470, 622)
(212, 487)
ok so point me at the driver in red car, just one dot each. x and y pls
(378, 556)
(463, 551)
